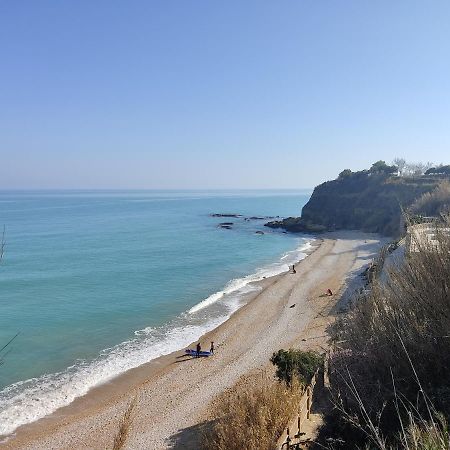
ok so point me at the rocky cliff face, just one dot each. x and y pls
(365, 201)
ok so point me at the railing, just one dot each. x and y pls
(422, 237)
(293, 432)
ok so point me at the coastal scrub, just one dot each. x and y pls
(252, 416)
(296, 363)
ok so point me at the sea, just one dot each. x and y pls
(93, 283)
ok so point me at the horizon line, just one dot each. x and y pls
(152, 189)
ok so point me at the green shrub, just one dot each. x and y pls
(296, 362)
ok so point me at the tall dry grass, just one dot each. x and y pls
(252, 416)
(433, 435)
(393, 356)
(433, 203)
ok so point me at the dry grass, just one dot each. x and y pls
(394, 349)
(252, 416)
(433, 203)
(428, 436)
(124, 427)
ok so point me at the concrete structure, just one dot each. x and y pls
(424, 236)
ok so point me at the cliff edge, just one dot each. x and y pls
(369, 200)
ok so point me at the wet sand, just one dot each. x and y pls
(172, 394)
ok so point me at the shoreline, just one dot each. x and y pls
(101, 392)
(233, 354)
(104, 393)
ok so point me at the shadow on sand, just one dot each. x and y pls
(190, 438)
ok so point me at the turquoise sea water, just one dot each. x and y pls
(99, 282)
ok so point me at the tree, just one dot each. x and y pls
(345, 174)
(382, 167)
(401, 164)
(439, 170)
(417, 169)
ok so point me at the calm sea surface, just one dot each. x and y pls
(99, 282)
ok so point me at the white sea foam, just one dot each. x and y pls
(29, 400)
(241, 285)
(26, 401)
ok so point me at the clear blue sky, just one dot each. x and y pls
(209, 94)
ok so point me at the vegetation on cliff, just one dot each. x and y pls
(369, 200)
(389, 372)
(434, 203)
(298, 364)
(254, 413)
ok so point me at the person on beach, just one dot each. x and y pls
(293, 268)
(198, 349)
(329, 292)
(212, 348)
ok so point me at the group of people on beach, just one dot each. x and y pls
(198, 349)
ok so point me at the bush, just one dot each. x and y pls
(298, 363)
(382, 167)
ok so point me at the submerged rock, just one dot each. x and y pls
(261, 217)
(225, 215)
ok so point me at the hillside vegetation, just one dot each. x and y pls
(369, 200)
(254, 413)
(434, 203)
(390, 369)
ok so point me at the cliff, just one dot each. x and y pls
(366, 200)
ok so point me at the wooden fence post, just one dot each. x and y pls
(308, 403)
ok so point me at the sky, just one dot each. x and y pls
(184, 94)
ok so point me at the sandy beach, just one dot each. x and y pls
(172, 394)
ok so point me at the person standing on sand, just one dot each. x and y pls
(212, 348)
(329, 292)
(198, 349)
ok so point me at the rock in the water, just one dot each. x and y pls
(261, 217)
(225, 215)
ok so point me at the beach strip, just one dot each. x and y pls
(172, 394)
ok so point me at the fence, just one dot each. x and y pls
(292, 434)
